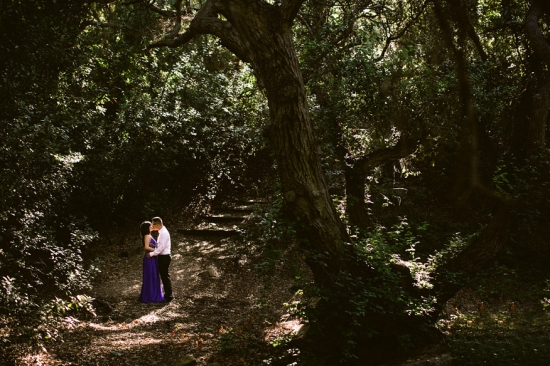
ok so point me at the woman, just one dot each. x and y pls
(151, 290)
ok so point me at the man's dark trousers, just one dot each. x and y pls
(164, 263)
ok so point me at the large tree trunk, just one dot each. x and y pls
(466, 170)
(477, 255)
(356, 206)
(260, 34)
(305, 191)
(531, 113)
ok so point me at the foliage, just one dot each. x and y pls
(501, 347)
(363, 304)
(41, 242)
(99, 134)
(501, 333)
(527, 184)
(160, 123)
(270, 234)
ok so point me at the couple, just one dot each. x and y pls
(155, 262)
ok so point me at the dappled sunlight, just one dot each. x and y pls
(493, 326)
(206, 247)
(399, 149)
(220, 304)
(144, 320)
(40, 358)
(126, 340)
(133, 288)
(281, 333)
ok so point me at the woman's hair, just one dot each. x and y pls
(144, 230)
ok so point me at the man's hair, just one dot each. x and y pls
(157, 221)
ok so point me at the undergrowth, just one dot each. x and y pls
(501, 319)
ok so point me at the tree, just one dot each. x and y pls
(362, 108)
(529, 120)
(260, 33)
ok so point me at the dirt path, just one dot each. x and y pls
(228, 319)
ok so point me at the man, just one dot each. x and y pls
(164, 258)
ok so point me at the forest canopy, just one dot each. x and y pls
(402, 143)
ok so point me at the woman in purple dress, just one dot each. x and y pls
(151, 290)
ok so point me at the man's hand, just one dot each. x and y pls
(148, 255)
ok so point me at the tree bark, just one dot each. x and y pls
(467, 167)
(356, 207)
(305, 190)
(530, 116)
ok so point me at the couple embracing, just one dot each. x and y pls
(155, 262)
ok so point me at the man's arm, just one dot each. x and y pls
(160, 247)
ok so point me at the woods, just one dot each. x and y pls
(402, 145)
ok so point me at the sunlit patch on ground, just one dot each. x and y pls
(233, 318)
(128, 340)
(285, 330)
(500, 329)
(41, 358)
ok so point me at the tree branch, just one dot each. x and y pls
(390, 39)
(177, 25)
(149, 5)
(514, 25)
(307, 25)
(466, 22)
(403, 148)
(343, 36)
(206, 22)
(290, 10)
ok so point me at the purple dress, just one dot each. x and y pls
(151, 290)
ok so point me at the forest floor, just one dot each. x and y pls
(236, 317)
(242, 316)
(500, 319)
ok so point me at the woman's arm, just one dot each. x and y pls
(147, 241)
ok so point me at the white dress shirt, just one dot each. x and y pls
(164, 243)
